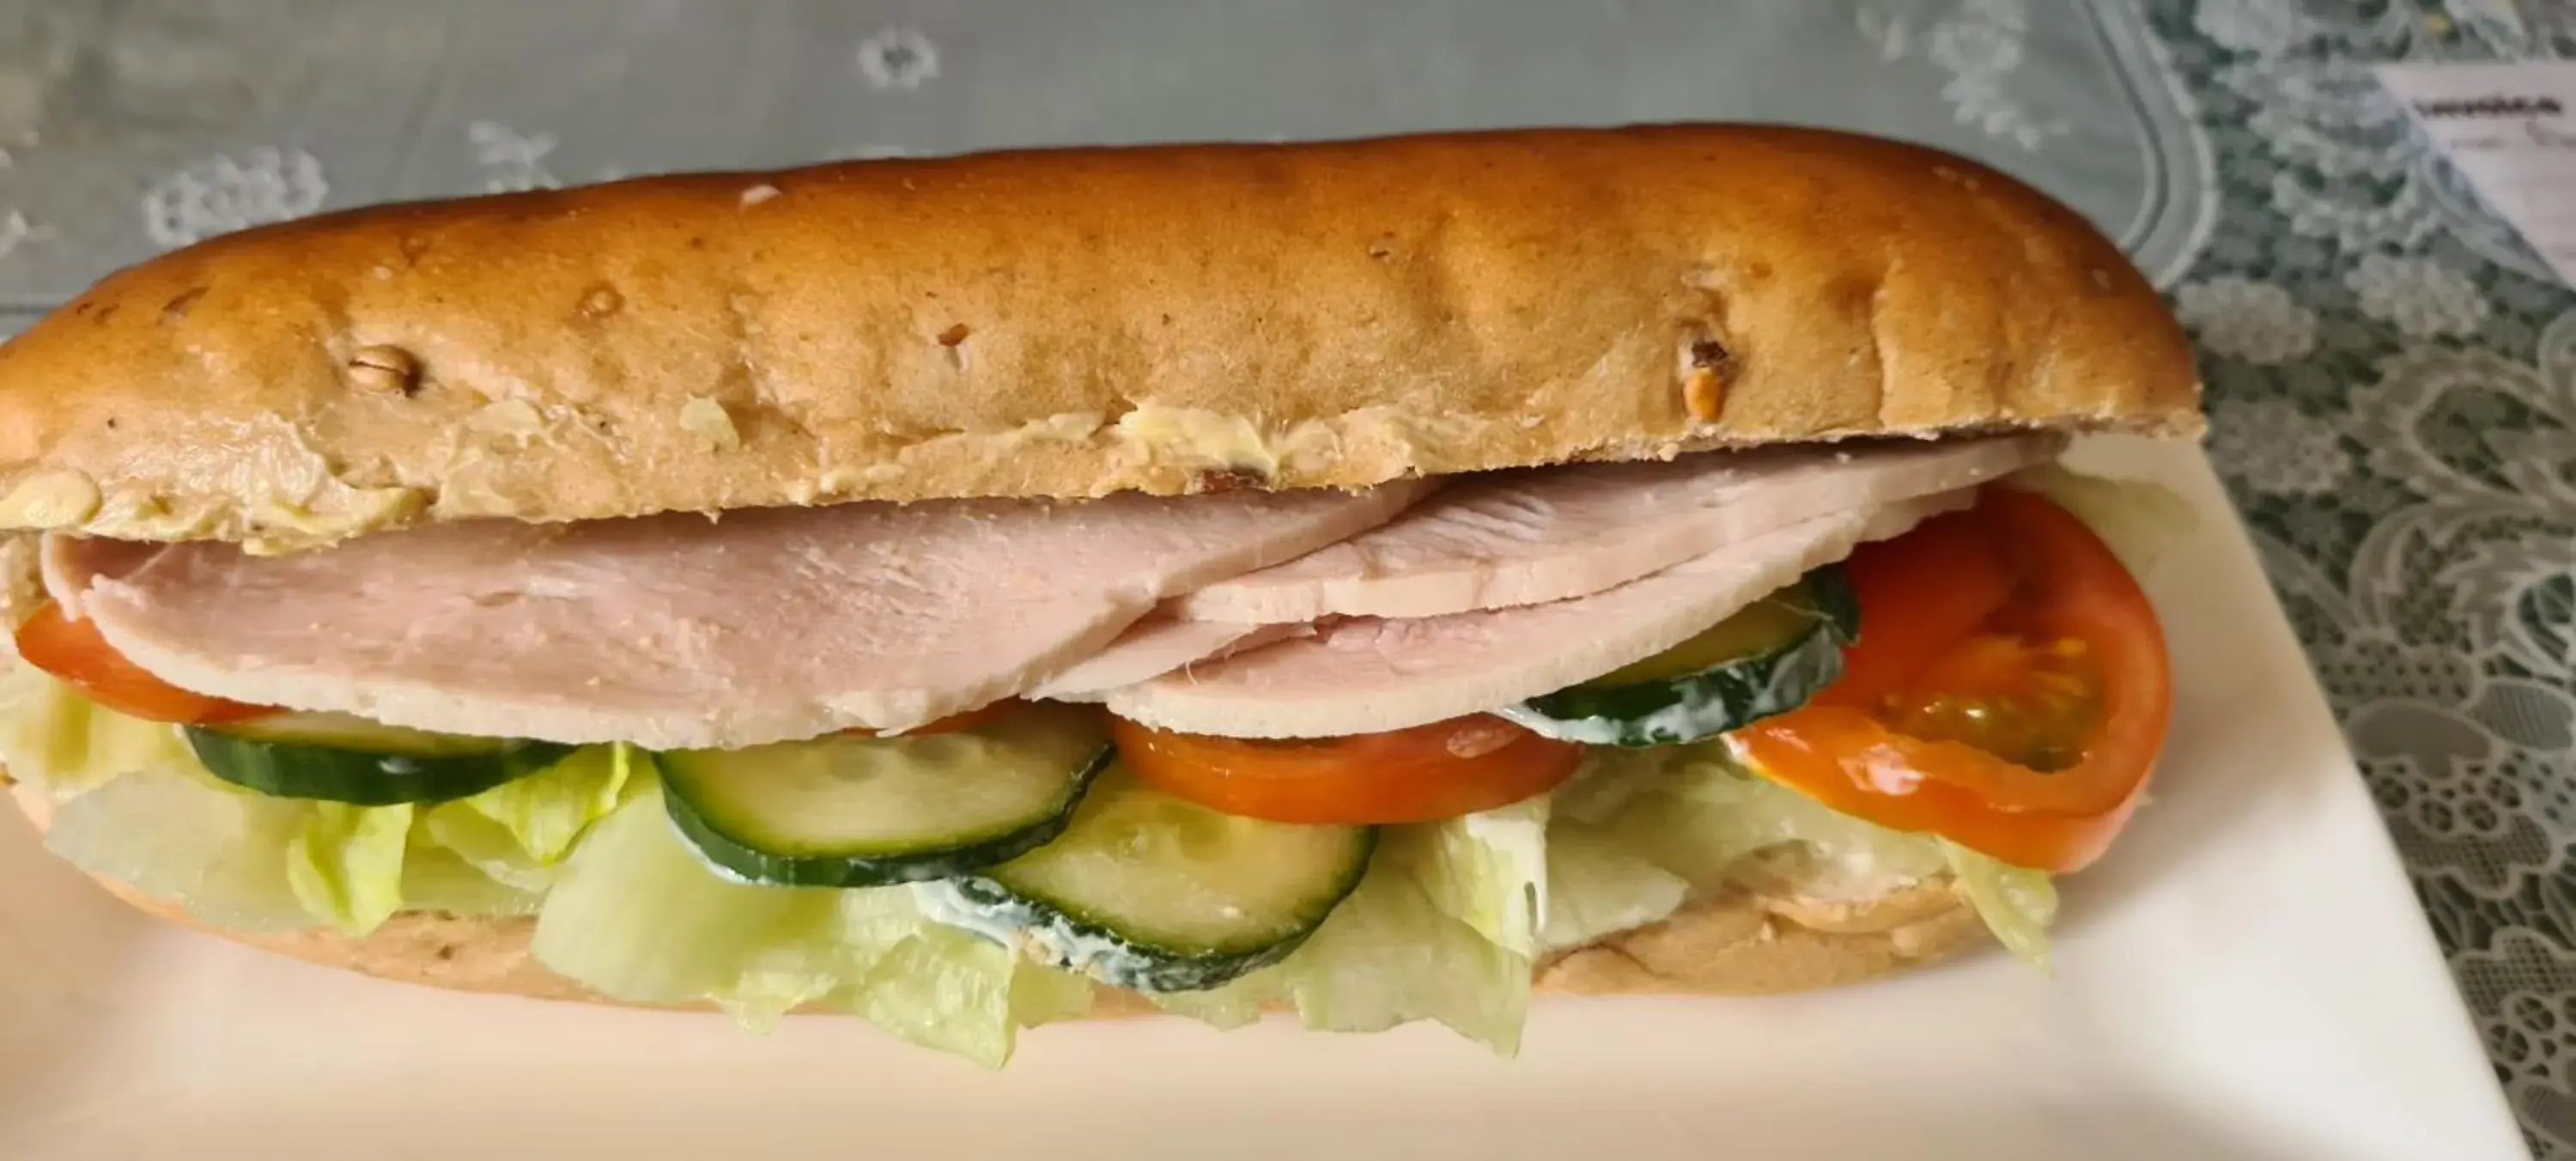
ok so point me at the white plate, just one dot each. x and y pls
(2247, 976)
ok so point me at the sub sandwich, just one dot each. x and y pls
(1373, 580)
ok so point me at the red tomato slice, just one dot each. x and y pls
(2023, 727)
(74, 653)
(1441, 770)
(1944, 588)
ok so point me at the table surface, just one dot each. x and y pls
(2392, 374)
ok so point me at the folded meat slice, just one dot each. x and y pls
(1528, 537)
(678, 631)
(1153, 647)
(1370, 674)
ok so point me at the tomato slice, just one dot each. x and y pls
(1442, 770)
(1937, 587)
(2010, 690)
(74, 653)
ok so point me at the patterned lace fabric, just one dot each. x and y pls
(2393, 389)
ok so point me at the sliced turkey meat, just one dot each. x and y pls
(677, 631)
(1370, 674)
(1153, 647)
(1527, 537)
(64, 573)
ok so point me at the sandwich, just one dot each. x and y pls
(1376, 581)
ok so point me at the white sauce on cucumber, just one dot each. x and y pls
(1073, 951)
(940, 903)
(1682, 719)
(713, 867)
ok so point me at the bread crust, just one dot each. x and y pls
(1071, 323)
(1738, 943)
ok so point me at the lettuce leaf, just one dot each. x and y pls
(1694, 812)
(134, 805)
(354, 867)
(221, 856)
(1597, 887)
(1388, 955)
(1488, 870)
(939, 986)
(1697, 814)
(247, 861)
(518, 833)
(53, 738)
(637, 916)
(345, 863)
(1604, 782)
(437, 879)
(2017, 903)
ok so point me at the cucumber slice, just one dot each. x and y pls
(1767, 659)
(863, 812)
(341, 758)
(1151, 892)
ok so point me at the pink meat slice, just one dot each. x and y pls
(679, 631)
(1528, 537)
(1153, 647)
(1368, 674)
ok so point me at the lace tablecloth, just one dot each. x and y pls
(2393, 375)
(2393, 390)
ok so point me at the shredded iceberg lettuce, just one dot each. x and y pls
(940, 987)
(62, 743)
(2017, 903)
(1488, 870)
(1389, 955)
(1597, 887)
(640, 917)
(435, 878)
(345, 863)
(519, 832)
(1695, 813)
(133, 804)
(220, 856)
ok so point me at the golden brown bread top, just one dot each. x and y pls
(1072, 323)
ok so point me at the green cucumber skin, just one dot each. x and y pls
(361, 778)
(1728, 697)
(739, 860)
(1061, 936)
(1719, 700)
(1837, 605)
